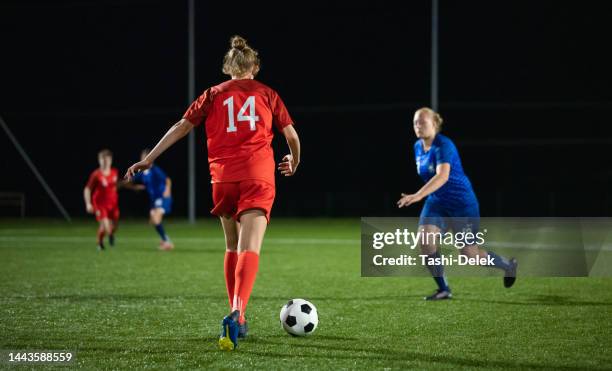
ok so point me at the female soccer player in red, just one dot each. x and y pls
(238, 115)
(101, 199)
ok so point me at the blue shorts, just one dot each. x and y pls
(162, 203)
(466, 219)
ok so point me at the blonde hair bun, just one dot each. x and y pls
(238, 42)
(241, 59)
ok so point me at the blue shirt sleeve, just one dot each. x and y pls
(445, 151)
(160, 173)
(160, 180)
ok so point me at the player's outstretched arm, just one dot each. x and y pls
(130, 185)
(437, 181)
(290, 162)
(176, 132)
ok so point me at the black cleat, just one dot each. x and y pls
(510, 276)
(111, 240)
(440, 295)
(101, 247)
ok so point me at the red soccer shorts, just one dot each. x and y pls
(106, 212)
(234, 198)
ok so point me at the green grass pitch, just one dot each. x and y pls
(136, 307)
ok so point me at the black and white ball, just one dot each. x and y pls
(299, 317)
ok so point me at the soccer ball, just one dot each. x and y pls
(299, 317)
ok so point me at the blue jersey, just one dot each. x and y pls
(457, 192)
(154, 180)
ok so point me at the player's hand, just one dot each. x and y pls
(288, 167)
(89, 208)
(408, 200)
(136, 168)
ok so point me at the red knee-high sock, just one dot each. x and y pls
(246, 270)
(229, 267)
(101, 234)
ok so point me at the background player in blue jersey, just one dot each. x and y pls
(159, 187)
(451, 202)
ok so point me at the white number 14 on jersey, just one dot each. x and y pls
(252, 118)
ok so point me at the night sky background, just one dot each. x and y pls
(524, 90)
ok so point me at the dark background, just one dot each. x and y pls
(524, 90)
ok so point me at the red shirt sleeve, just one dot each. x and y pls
(280, 115)
(198, 110)
(92, 182)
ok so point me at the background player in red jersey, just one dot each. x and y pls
(101, 198)
(239, 115)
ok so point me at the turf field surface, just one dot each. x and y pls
(134, 306)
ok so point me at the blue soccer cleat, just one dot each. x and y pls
(229, 331)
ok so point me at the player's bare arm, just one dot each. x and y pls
(290, 162)
(168, 191)
(437, 181)
(173, 135)
(87, 197)
(131, 186)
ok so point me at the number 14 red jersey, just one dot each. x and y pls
(239, 115)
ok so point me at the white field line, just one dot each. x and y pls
(541, 246)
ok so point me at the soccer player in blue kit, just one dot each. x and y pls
(450, 203)
(159, 187)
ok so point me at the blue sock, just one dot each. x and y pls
(160, 230)
(499, 261)
(437, 271)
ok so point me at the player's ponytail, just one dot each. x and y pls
(241, 59)
(436, 117)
